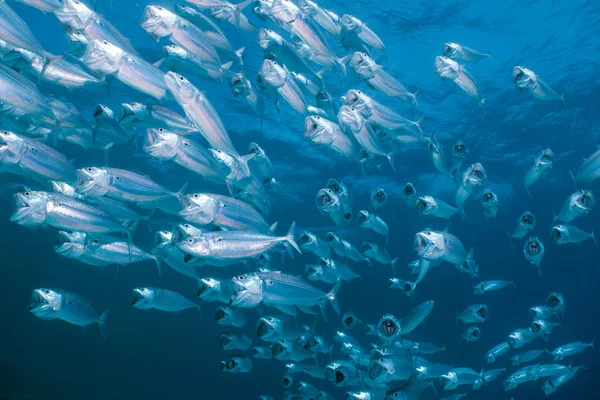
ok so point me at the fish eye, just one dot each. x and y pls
(241, 277)
(47, 291)
(95, 240)
(70, 231)
(104, 42)
(27, 193)
(190, 240)
(181, 78)
(89, 169)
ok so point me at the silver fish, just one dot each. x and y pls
(520, 337)
(459, 52)
(471, 333)
(324, 132)
(42, 5)
(416, 316)
(569, 349)
(496, 352)
(534, 252)
(579, 204)
(542, 164)
(236, 364)
(472, 178)
(475, 314)
(526, 79)
(525, 223)
(589, 170)
(490, 286)
(563, 234)
(373, 222)
(200, 111)
(232, 13)
(378, 198)
(242, 87)
(139, 115)
(527, 356)
(166, 250)
(278, 78)
(489, 202)
(447, 68)
(356, 35)
(310, 242)
(15, 32)
(180, 60)
(146, 298)
(324, 18)
(436, 151)
(234, 341)
(428, 205)
(49, 304)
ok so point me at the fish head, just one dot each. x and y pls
(257, 150)
(175, 53)
(363, 216)
(185, 11)
(545, 160)
(481, 312)
(269, 38)
(263, 260)
(262, 9)
(409, 191)
(337, 373)
(527, 219)
(287, 380)
(281, 349)
(510, 383)
(224, 159)
(272, 74)
(539, 326)
(556, 302)
(11, 143)
(323, 98)
(306, 239)
(379, 197)
(449, 381)
(73, 14)
(45, 303)
(534, 249)
(379, 369)
(368, 249)
(185, 231)
(182, 89)
(388, 327)
(426, 205)
(446, 68)
(102, 112)
(460, 150)
(515, 339)
(560, 233)
(223, 315)
(134, 111)
(92, 181)
(103, 56)
(77, 43)
(70, 244)
(489, 197)
(327, 201)
(429, 244)
(200, 208)
(161, 144)
(308, 8)
(240, 85)
(268, 327)
(313, 272)
(475, 175)
(232, 364)
(226, 340)
(524, 78)
(31, 208)
(537, 312)
(548, 387)
(351, 23)
(349, 320)
(317, 129)
(452, 50)
(331, 238)
(195, 245)
(163, 239)
(19, 59)
(209, 287)
(142, 297)
(158, 21)
(473, 333)
(433, 145)
(582, 202)
(358, 58)
(338, 187)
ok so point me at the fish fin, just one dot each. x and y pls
(510, 238)
(244, 4)
(528, 192)
(158, 267)
(471, 253)
(181, 192)
(390, 158)
(273, 227)
(290, 237)
(224, 68)
(159, 63)
(102, 322)
(594, 237)
(332, 296)
(393, 265)
(592, 345)
(239, 53)
(513, 284)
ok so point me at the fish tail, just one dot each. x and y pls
(158, 267)
(510, 239)
(290, 237)
(592, 345)
(390, 158)
(181, 192)
(393, 265)
(102, 322)
(332, 296)
(239, 53)
(528, 192)
(593, 236)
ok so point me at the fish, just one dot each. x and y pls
(563, 234)
(428, 205)
(570, 349)
(416, 316)
(556, 302)
(375, 76)
(496, 352)
(343, 193)
(326, 133)
(373, 222)
(471, 333)
(262, 352)
(525, 224)
(107, 59)
(578, 204)
(490, 286)
(308, 241)
(551, 385)
(458, 376)
(329, 271)
(178, 59)
(236, 365)
(473, 177)
(458, 52)
(534, 252)
(542, 164)
(527, 356)
(589, 170)
(378, 198)
(543, 328)
(324, 18)
(356, 35)
(409, 193)
(487, 377)
(489, 202)
(434, 245)
(226, 316)
(459, 153)
(48, 304)
(278, 78)
(474, 314)
(341, 373)
(232, 13)
(436, 150)
(526, 79)
(146, 298)
(372, 251)
(406, 286)
(396, 366)
(520, 337)
(350, 320)
(447, 68)
(272, 329)
(242, 87)
(200, 112)
(234, 341)
(388, 328)
(328, 203)
(15, 32)
(212, 289)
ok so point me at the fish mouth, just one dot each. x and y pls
(263, 328)
(408, 190)
(528, 219)
(586, 200)
(488, 196)
(329, 237)
(548, 157)
(459, 148)
(380, 195)
(476, 333)
(202, 289)
(483, 312)
(422, 205)
(339, 377)
(334, 186)
(311, 272)
(377, 371)
(447, 50)
(224, 341)
(366, 246)
(421, 244)
(278, 350)
(533, 248)
(389, 328)
(311, 127)
(349, 321)
(553, 301)
(286, 382)
(479, 174)
(362, 217)
(517, 74)
(304, 238)
(220, 314)
(536, 327)
(407, 288)
(556, 233)
(136, 298)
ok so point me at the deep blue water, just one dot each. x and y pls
(156, 355)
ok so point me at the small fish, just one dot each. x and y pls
(342, 373)
(379, 254)
(490, 286)
(410, 194)
(556, 302)
(143, 116)
(310, 242)
(471, 333)
(406, 286)
(527, 356)
(534, 252)
(278, 78)
(563, 234)
(236, 364)
(489, 202)
(428, 205)
(226, 316)
(436, 151)
(551, 385)
(459, 52)
(343, 193)
(589, 170)
(520, 337)
(570, 349)
(146, 298)
(416, 316)
(487, 377)
(48, 304)
(459, 153)
(579, 204)
(542, 164)
(287, 380)
(388, 328)
(234, 341)
(543, 328)
(458, 376)
(328, 203)
(373, 222)
(475, 314)
(526, 79)
(272, 329)
(447, 68)
(378, 198)
(326, 133)
(242, 87)
(472, 178)
(496, 352)
(262, 352)
(356, 35)
(350, 320)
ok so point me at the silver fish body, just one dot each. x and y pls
(146, 298)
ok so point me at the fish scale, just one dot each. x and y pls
(134, 187)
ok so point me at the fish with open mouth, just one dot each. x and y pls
(534, 252)
(579, 204)
(458, 52)
(542, 165)
(526, 79)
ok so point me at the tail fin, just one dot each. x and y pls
(224, 68)
(390, 158)
(593, 236)
(592, 345)
(181, 192)
(102, 322)
(290, 237)
(341, 63)
(157, 261)
(528, 192)
(239, 53)
(393, 265)
(510, 238)
(332, 296)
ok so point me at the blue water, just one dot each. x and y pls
(156, 355)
